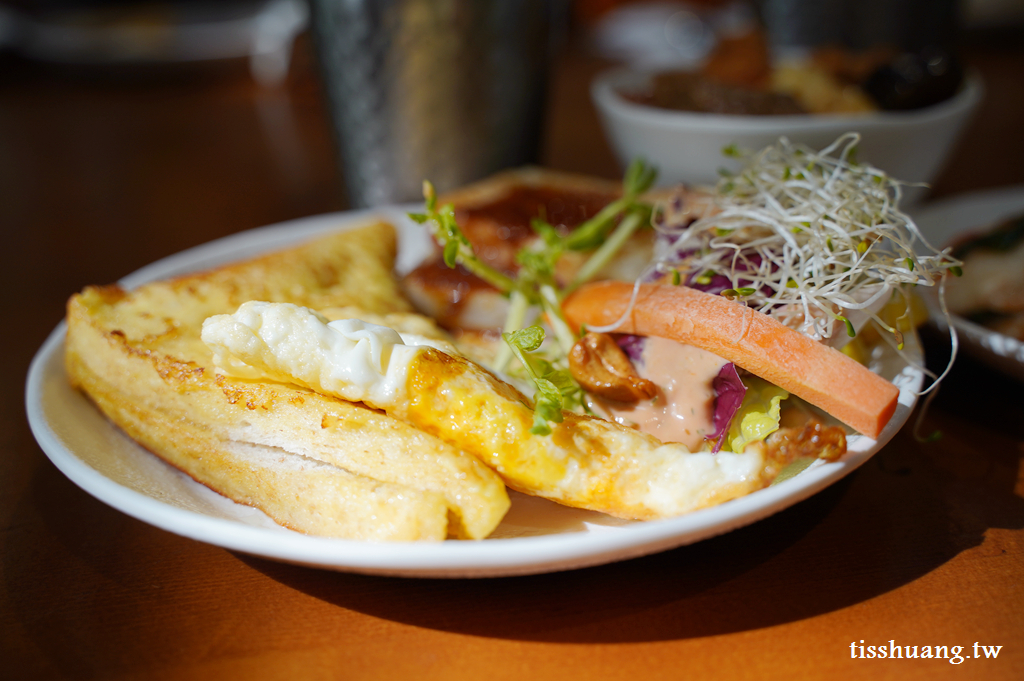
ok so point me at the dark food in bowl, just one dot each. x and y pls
(684, 91)
(833, 80)
(914, 81)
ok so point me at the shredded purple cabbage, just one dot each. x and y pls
(729, 392)
(716, 282)
(719, 282)
(633, 346)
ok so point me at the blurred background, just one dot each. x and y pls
(130, 130)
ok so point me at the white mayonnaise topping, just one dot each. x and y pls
(349, 358)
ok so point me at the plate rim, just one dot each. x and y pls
(998, 351)
(455, 559)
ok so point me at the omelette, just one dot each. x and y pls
(584, 462)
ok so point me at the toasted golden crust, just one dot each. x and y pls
(496, 186)
(314, 463)
(298, 493)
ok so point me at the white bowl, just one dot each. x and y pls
(911, 146)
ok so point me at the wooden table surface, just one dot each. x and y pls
(101, 174)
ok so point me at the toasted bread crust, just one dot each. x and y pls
(498, 185)
(495, 216)
(313, 463)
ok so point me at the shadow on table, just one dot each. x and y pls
(908, 511)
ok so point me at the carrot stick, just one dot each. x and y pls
(763, 346)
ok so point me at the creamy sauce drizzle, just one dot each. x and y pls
(684, 408)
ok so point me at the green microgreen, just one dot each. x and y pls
(535, 284)
(553, 385)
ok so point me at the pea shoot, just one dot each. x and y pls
(535, 285)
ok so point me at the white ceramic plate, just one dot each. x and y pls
(943, 221)
(536, 536)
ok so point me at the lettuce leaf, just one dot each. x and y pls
(758, 416)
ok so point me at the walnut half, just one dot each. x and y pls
(814, 440)
(601, 367)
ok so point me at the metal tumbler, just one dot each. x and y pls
(441, 90)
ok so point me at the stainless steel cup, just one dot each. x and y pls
(441, 90)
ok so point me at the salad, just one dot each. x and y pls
(814, 241)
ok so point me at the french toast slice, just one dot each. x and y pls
(313, 463)
(495, 215)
